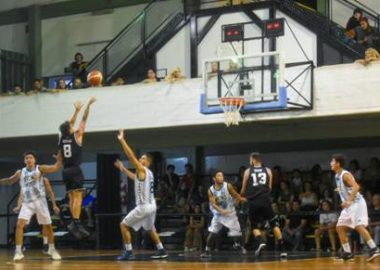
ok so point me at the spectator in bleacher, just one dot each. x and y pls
(277, 178)
(364, 33)
(238, 181)
(17, 90)
(165, 194)
(62, 85)
(295, 224)
(371, 55)
(79, 66)
(308, 198)
(182, 195)
(171, 178)
(175, 75)
(284, 197)
(296, 182)
(354, 21)
(38, 87)
(193, 239)
(77, 84)
(355, 170)
(214, 70)
(372, 174)
(150, 76)
(327, 195)
(327, 223)
(200, 197)
(118, 81)
(316, 178)
(374, 216)
(187, 181)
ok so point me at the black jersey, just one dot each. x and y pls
(71, 151)
(258, 183)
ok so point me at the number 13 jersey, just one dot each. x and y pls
(71, 150)
(258, 183)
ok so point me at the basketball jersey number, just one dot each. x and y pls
(67, 151)
(259, 179)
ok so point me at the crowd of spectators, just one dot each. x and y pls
(305, 202)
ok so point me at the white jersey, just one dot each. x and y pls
(223, 199)
(343, 190)
(32, 184)
(144, 190)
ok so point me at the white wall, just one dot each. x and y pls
(61, 37)
(176, 53)
(14, 38)
(373, 4)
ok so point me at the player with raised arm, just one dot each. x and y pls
(33, 200)
(144, 214)
(256, 187)
(70, 146)
(354, 215)
(47, 189)
(222, 197)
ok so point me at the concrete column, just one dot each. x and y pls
(35, 40)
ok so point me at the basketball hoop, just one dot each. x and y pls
(231, 107)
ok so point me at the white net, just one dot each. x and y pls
(231, 108)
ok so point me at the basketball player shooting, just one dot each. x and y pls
(34, 201)
(144, 214)
(70, 146)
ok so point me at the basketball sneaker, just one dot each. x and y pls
(18, 256)
(373, 253)
(206, 254)
(260, 249)
(283, 255)
(83, 231)
(160, 254)
(54, 255)
(126, 256)
(345, 256)
(73, 229)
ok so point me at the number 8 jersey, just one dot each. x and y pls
(71, 150)
(258, 183)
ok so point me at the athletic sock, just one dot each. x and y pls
(371, 244)
(128, 247)
(76, 221)
(207, 248)
(45, 240)
(346, 247)
(51, 247)
(159, 246)
(18, 249)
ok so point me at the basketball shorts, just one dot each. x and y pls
(231, 222)
(39, 208)
(73, 178)
(354, 215)
(259, 211)
(143, 215)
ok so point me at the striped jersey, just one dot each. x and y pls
(32, 184)
(223, 199)
(144, 189)
(343, 190)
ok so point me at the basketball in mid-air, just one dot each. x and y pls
(95, 78)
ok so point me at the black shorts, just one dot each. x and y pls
(73, 178)
(260, 210)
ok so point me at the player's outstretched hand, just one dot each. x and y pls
(78, 105)
(17, 209)
(120, 136)
(118, 164)
(56, 209)
(91, 101)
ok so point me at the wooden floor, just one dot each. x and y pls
(102, 260)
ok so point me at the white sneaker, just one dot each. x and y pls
(54, 254)
(18, 256)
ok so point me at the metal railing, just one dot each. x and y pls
(134, 37)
